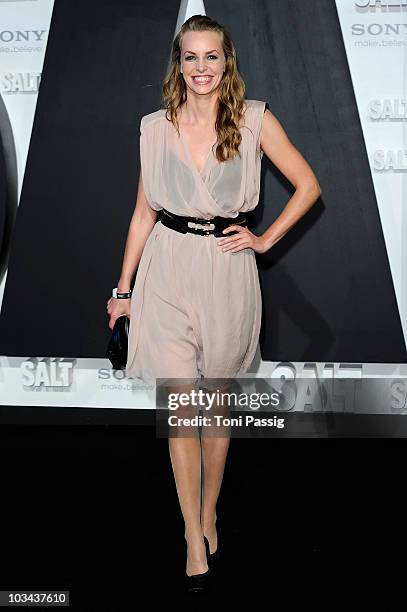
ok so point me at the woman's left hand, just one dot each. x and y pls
(244, 239)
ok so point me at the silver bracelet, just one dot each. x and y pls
(121, 296)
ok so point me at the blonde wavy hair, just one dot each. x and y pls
(231, 88)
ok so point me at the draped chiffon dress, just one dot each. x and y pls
(195, 310)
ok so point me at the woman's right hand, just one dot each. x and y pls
(116, 307)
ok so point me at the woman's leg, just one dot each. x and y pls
(185, 453)
(214, 453)
(215, 443)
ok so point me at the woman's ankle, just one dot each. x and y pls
(211, 534)
(209, 523)
(193, 534)
(196, 552)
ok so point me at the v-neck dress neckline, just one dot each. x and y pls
(200, 173)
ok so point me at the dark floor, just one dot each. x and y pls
(303, 524)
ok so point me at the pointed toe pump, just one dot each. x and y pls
(197, 583)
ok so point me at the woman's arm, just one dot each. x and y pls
(283, 154)
(278, 148)
(141, 225)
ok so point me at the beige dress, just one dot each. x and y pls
(195, 310)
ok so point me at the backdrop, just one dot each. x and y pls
(328, 293)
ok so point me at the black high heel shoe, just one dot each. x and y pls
(212, 557)
(197, 583)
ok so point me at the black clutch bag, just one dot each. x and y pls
(118, 344)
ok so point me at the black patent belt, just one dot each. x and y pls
(213, 226)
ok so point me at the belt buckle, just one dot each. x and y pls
(208, 231)
(200, 221)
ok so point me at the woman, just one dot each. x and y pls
(196, 305)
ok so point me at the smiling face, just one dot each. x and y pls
(202, 61)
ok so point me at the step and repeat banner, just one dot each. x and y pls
(375, 39)
(76, 77)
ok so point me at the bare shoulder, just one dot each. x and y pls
(277, 146)
(272, 129)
